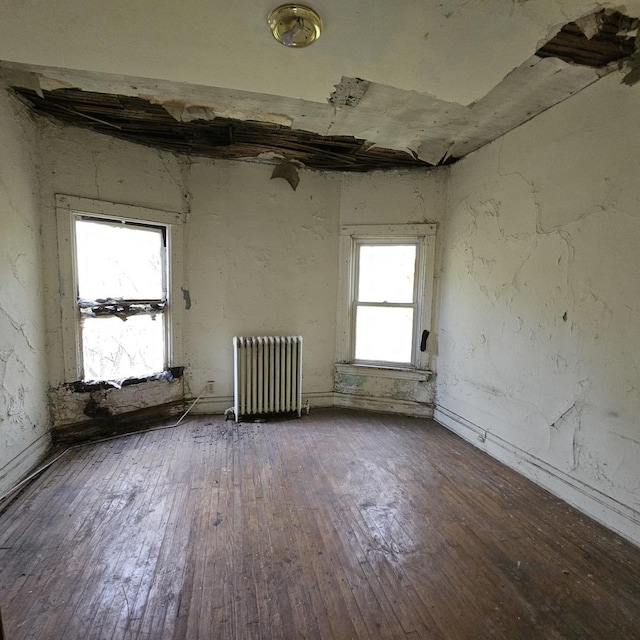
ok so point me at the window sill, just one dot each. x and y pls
(170, 374)
(395, 373)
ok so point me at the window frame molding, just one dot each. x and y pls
(350, 237)
(68, 208)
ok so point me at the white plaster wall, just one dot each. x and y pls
(258, 259)
(262, 259)
(539, 339)
(82, 163)
(393, 197)
(23, 376)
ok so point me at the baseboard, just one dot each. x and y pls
(607, 511)
(219, 404)
(23, 463)
(322, 399)
(386, 405)
(121, 423)
(210, 406)
(319, 399)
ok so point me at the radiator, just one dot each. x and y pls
(267, 375)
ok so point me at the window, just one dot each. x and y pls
(386, 278)
(122, 297)
(119, 321)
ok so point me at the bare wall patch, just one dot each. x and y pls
(348, 92)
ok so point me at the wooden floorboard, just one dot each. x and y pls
(341, 525)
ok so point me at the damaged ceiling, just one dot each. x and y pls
(431, 90)
(138, 120)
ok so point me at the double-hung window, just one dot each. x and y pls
(122, 297)
(117, 306)
(387, 276)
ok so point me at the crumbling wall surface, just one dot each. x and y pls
(539, 340)
(23, 376)
(81, 163)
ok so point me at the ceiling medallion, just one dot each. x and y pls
(295, 25)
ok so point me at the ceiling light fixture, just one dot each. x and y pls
(295, 25)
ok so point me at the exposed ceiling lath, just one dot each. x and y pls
(138, 120)
(377, 124)
(595, 40)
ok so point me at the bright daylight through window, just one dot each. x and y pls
(386, 279)
(122, 296)
(385, 302)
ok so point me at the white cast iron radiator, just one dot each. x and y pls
(267, 375)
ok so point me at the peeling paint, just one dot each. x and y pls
(185, 111)
(72, 407)
(372, 386)
(429, 127)
(188, 113)
(24, 417)
(288, 171)
(348, 92)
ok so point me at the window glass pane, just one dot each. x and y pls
(118, 261)
(386, 273)
(384, 334)
(114, 349)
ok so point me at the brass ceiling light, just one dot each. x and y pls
(295, 25)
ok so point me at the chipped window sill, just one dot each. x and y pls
(375, 371)
(171, 374)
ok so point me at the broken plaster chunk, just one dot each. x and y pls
(24, 79)
(590, 25)
(632, 66)
(188, 113)
(288, 171)
(348, 92)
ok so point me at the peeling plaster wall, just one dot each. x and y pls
(259, 258)
(23, 376)
(539, 340)
(81, 163)
(393, 197)
(262, 260)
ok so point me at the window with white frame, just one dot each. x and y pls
(122, 297)
(120, 323)
(386, 276)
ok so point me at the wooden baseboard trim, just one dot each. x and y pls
(386, 405)
(219, 404)
(119, 424)
(606, 510)
(24, 462)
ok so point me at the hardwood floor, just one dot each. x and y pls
(339, 525)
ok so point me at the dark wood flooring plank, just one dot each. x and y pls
(133, 514)
(339, 525)
(71, 546)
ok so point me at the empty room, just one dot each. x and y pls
(319, 321)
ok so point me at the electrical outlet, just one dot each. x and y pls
(209, 387)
